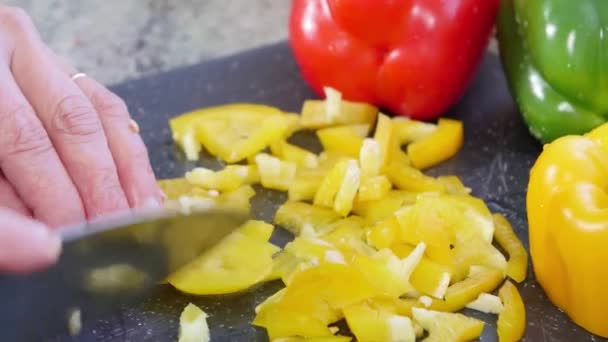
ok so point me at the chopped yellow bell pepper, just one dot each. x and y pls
(408, 130)
(229, 267)
(339, 187)
(193, 325)
(408, 178)
(227, 179)
(453, 185)
(384, 137)
(443, 326)
(314, 339)
(174, 188)
(371, 324)
(475, 252)
(517, 265)
(441, 145)
(295, 154)
(383, 234)
(370, 157)
(480, 279)
(568, 226)
(294, 216)
(377, 210)
(344, 140)
(511, 322)
(281, 323)
(373, 188)
(275, 174)
(334, 111)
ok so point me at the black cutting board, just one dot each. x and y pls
(495, 160)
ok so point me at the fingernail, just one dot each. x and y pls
(151, 203)
(47, 242)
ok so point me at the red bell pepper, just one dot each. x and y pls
(412, 57)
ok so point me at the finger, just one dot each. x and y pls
(10, 199)
(127, 147)
(30, 163)
(26, 245)
(71, 122)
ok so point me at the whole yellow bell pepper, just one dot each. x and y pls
(567, 207)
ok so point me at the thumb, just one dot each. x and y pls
(26, 245)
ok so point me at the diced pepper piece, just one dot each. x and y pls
(408, 178)
(295, 154)
(310, 248)
(234, 138)
(275, 173)
(229, 267)
(486, 303)
(480, 279)
(175, 188)
(293, 124)
(193, 325)
(369, 324)
(420, 225)
(370, 157)
(384, 233)
(388, 274)
(294, 216)
(517, 266)
(475, 252)
(377, 210)
(339, 187)
(373, 188)
(258, 230)
(511, 323)
(280, 323)
(323, 113)
(304, 188)
(283, 264)
(443, 326)
(441, 145)
(384, 137)
(454, 185)
(325, 284)
(237, 199)
(227, 179)
(429, 277)
(344, 140)
(408, 130)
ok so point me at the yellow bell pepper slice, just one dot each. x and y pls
(568, 226)
(370, 324)
(370, 157)
(408, 130)
(517, 265)
(373, 188)
(511, 324)
(193, 325)
(281, 323)
(295, 154)
(228, 179)
(186, 131)
(229, 267)
(377, 210)
(275, 174)
(480, 279)
(384, 137)
(314, 339)
(174, 188)
(335, 111)
(453, 185)
(283, 264)
(294, 216)
(339, 187)
(475, 252)
(441, 145)
(443, 326)
(384, 233)
(344, 140)
(408, 178)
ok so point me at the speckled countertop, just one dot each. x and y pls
(115, 40)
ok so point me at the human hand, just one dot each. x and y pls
(68, 148)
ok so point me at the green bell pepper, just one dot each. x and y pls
(555, 55)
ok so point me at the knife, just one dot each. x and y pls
(106, 263)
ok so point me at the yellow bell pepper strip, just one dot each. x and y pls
(443, 326)
(517, 265)
(439, 146)
(480, 279)
(568, 226)
(314, 339)
(383, 234)
(344, 140)
(281, 323)
(275, 174)
(475, 252)
(334, 111)
(371, 324)
(407, 130)
(228, 179)
(453, 185)
(229, 267)
(294, 216)
(174, 188)
(384, 136)
(186, 131)
(511, 324)
(408, 178)
(282, 264)
(486, 303)
(373, 188)
(295, 154)
(377, 210)
(193, 325)
(339, 187)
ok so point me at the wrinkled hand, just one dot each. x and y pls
(68, 149)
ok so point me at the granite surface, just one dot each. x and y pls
(115, 40)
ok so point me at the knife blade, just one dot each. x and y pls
(109, 262)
